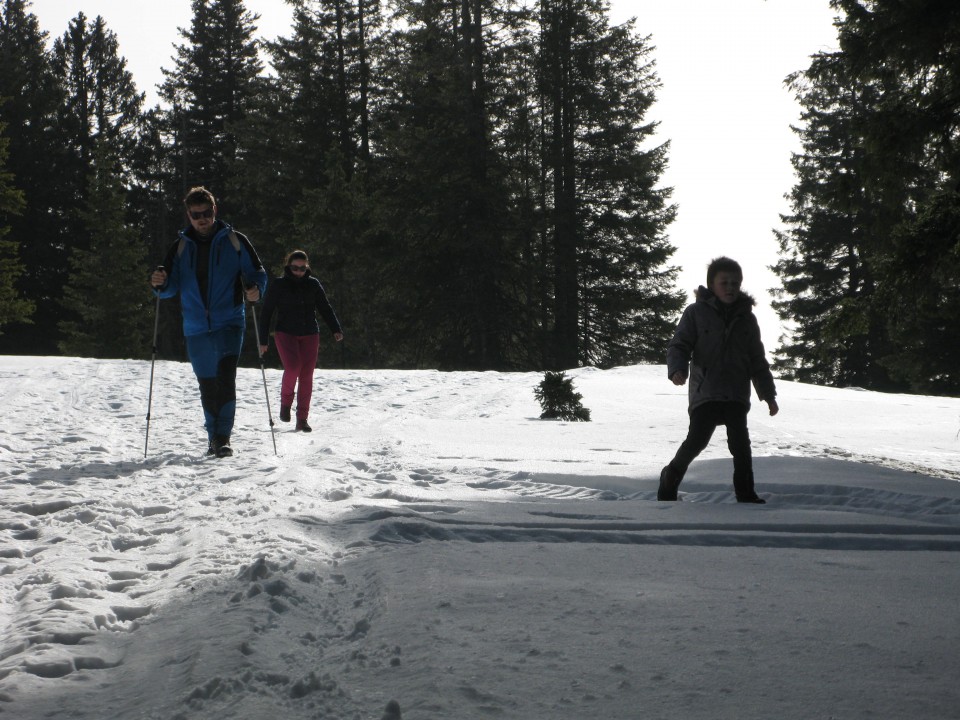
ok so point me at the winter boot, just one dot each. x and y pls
(743, 486)
(221, 446)
(284, 413)
(303, 426)
(669, 484)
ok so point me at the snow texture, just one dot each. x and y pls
(433, 551)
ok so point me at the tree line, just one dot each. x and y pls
(474, 179)
(477, 182)
(870, 257)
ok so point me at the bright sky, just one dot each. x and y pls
(723, 106)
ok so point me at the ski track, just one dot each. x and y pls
(100, 546)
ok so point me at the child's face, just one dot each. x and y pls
(726, 286)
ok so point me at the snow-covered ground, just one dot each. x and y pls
(435, 544)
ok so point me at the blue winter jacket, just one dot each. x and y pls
(233, 264)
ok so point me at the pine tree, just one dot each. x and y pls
(826, 265)
(210, 89)
(613, 294)
(106, 319)
(30, 97)
(870, 270)
(559, 400)
(102, 103)
(14, 306)
(441, 190)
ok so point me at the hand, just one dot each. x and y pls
(158, 278)
(252, 293)
(338, 336)
(679, 378)
(263, 349)
(774, 408)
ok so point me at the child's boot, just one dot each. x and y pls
(669, 484)
(743, 486)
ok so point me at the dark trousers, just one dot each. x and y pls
(214, 358)
(704, 419)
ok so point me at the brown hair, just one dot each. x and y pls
(722, 264)
(296, 255)
(199, 196)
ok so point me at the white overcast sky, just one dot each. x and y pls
(723, 106)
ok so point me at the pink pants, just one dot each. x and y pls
(298, 353)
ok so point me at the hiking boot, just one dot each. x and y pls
(221, 446)
(744, 489)
(302, 426)
(284, 413)
(211, 450)
(669, 484)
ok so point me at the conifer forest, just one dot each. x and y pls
(480, 181)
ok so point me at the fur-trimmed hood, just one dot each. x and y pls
(705, 294)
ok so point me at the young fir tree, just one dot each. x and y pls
(559, 400)
(14, 306)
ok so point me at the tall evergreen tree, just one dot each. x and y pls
(106, 319)
(102, 103)
(913, 51)
(30, 97)
(307, 138)
(443, 192)
(870, 271)
(14, 306)
(829, 285)
(613, 294)
(209, 90)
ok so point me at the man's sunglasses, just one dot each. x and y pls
(201, 214)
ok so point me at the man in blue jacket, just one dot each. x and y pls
(213, 268)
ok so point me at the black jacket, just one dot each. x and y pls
(296, 301)
(721, 347)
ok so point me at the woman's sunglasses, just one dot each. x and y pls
(298, 268)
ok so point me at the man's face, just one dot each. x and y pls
(202, 217)
(726, 286)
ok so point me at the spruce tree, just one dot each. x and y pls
(102, 105)
(14, 305)
(869, 268)
(106, 304)
(209, 90)
(613, 293)
(441, 190)
(30, 98)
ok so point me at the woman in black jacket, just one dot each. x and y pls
(296, 298)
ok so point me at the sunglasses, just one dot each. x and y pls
(201, 214)
(298, 268)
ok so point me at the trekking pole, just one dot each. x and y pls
(156, 325)
(263, 373)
